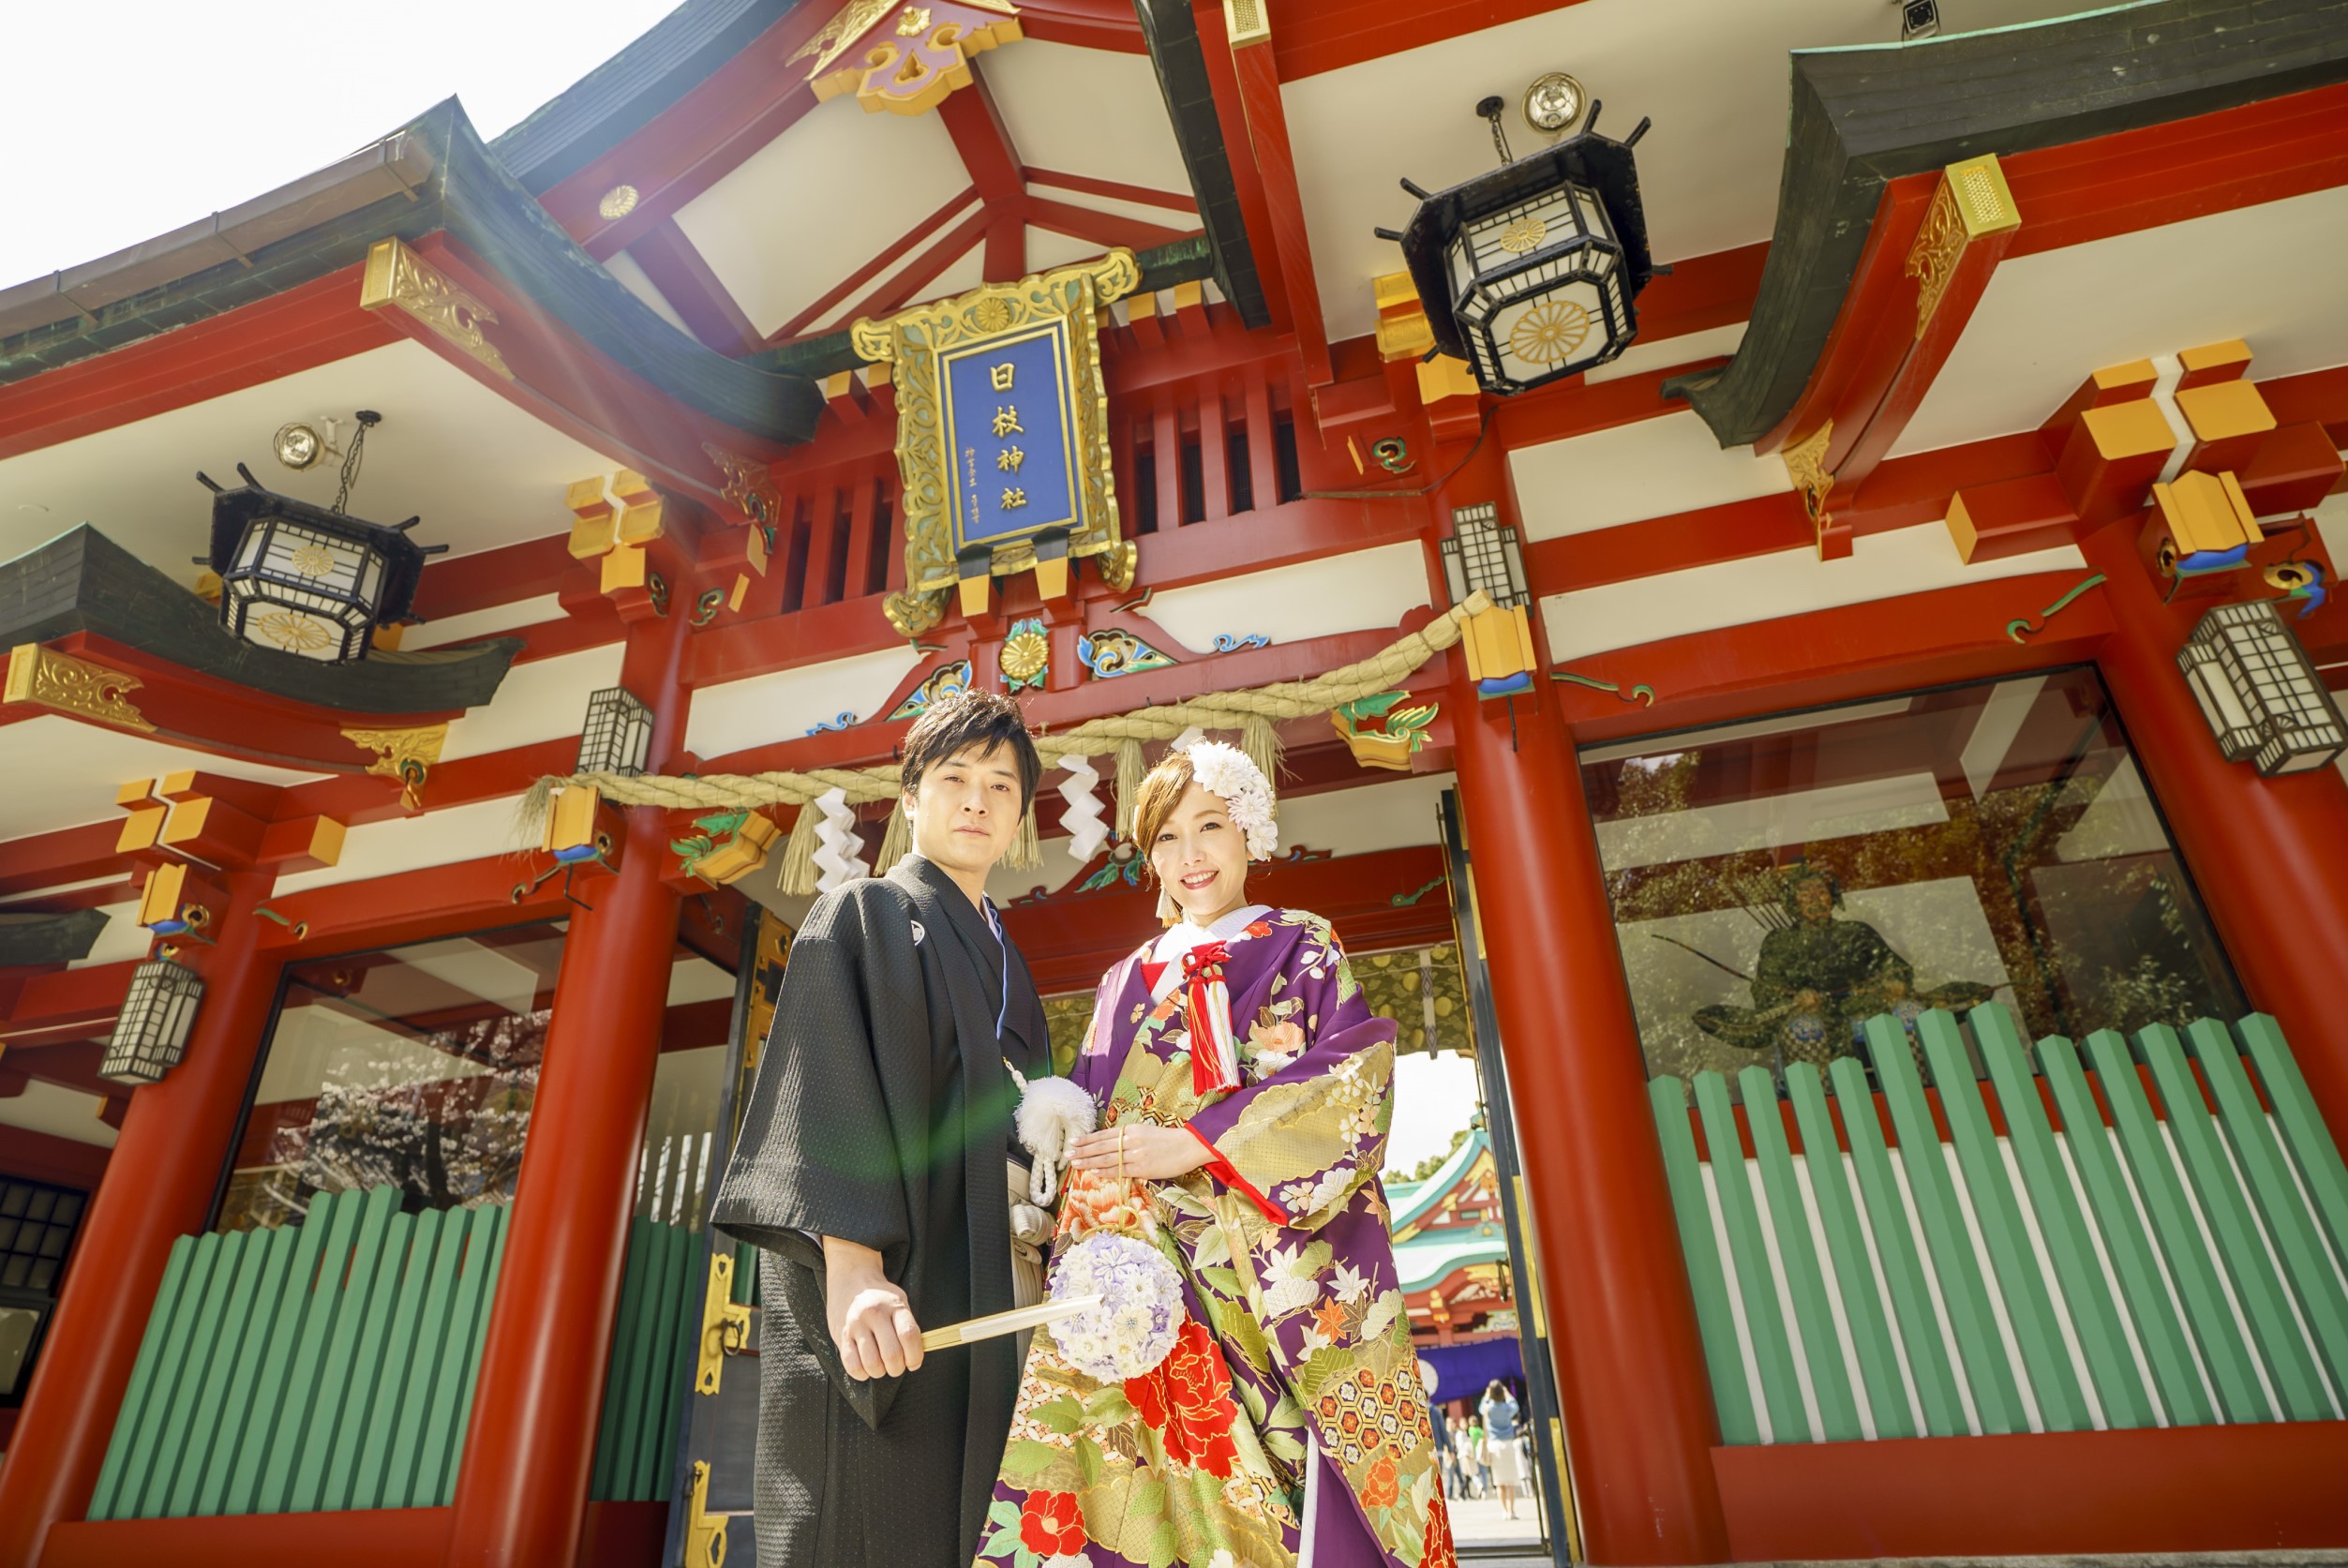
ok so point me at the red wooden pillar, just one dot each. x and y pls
(2264, 852)
(1632, 1385)
(1630, 1367)
(521, 1487)
(157, 1188)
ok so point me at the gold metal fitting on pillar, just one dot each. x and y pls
(724, 1324)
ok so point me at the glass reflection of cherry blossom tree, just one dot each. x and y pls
(448, 1141)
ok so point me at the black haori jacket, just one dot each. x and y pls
(882, 1115)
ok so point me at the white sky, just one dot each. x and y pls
(1433, 1098)
(120, 122)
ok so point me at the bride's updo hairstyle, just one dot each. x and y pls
(1161, 792)
(1222, 771)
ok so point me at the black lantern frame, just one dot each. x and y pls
(2259, 690)
(306, 580)
(1531, 273)
(158, 1014)
(617, 735)
(1483, 553)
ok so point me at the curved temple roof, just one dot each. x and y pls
(1866, 116)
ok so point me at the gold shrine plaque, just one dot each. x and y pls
(1003, 436)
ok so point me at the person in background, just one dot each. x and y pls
(1479, 1461)
(1455, 1479)
(1504, 1465)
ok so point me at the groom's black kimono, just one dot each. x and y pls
(882, 1116)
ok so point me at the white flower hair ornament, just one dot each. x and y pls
(1226, 771)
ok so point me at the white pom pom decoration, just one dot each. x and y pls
(1052, 1112)
(840, 856)
(1134, 1324)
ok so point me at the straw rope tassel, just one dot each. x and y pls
(1131, 769)
(1027, 850)
(1261, 741)
(797, 874)
(1253, 711)
(896, 840)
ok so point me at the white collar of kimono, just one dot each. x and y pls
(1181, 937)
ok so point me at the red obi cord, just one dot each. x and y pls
(1226, 1173)
(1214, 1054)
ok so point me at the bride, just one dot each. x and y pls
(1242, 1084)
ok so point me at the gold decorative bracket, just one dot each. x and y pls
(904, 56)
(1971, 201)
(65, 684)
(400, 279)
(1805, 465)
(914, 344)
(725, 1327)
(705, 1532)
(405, 754)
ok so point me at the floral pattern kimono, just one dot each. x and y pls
(1287, 1426)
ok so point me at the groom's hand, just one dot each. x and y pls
(870, 1318)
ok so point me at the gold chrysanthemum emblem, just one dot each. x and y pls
(295, 634)
(1524, 236)
(1025, 657)
(991, 315)
(1549, 331)
(311, 560)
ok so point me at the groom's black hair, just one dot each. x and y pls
(987, 720)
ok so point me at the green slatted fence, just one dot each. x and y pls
(2180, 1261)
(661, 1296)
(320, 1365)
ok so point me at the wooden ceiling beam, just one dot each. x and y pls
(694, 290)
(906, 286)
(1117, 190)
(698, 141)
(1246, 87)
(897, 250)
(1313, 39)
(984, 143)
(1096, 227)
(311, 324)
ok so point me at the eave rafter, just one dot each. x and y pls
(1922, 274)
(627, 196)
(2198, 107)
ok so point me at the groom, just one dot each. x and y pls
(871, 1173)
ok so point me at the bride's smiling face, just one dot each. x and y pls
(1200, 858)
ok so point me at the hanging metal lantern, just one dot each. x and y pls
(618, 735)
(157, 1016)
(2259, 690)
(308, 580)
(1482, 554)
(1531, 273)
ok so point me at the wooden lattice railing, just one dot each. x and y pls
(2152, 1235)
(331, 1365)
(320, 1365)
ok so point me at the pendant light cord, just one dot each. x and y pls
(368, 419)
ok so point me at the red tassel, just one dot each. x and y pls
(1214, 1054)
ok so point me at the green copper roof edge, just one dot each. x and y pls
(1416, 1267)
(503, 223)
(1434, 1186)
(634, 86)
(1862, 117)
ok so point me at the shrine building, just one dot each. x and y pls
(1782, 555)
